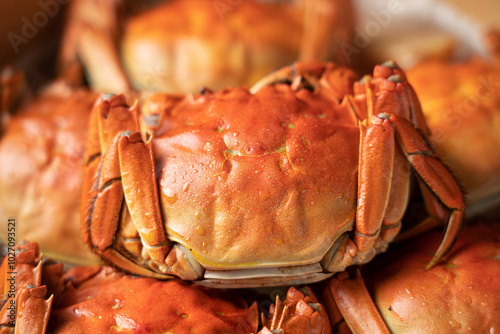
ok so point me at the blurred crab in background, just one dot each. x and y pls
(458, 295)
(41, 148)
(451, 55)
(187, 196)
(461, 104)
(181, 46)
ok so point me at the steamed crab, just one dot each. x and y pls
(400, 296)
(180, 46)
(41, 148)
(289, 184)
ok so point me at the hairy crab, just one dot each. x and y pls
(180, 46)
(41, 150)
(461, 104)
(458, 295)
(286, 185)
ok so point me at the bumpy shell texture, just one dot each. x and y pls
(100, 300)
(459, 295)
(288, 159)
(42, 170)
(461, 103)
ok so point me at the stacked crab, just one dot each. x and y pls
(297, 183)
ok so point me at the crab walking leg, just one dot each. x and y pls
(108, 202)
(376, 161)
(97, 49)
(355, 303)
(320, 19)
(112, 115)
(141, 193)
(90, 181)
(398, 198)
(436, 177)
(437, 214)
(92, 38)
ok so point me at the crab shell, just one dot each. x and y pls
(240, 189)
(180, 46)
(27, 287)
(42, 152)
(458, 295)
(37, 298)
(461, 104)
(100, 300)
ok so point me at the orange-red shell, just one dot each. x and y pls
(461, 104)
(42, 153)
(459, 295)
(100, 300)
(244, 177)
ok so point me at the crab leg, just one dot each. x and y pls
(101, 222)
(437, 178)
(92, 34)
(376, 163)
(141, 192)
(92, 164)
(103, 179)
(354, 303)
(320, 19)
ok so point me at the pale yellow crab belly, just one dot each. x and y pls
(282, 208)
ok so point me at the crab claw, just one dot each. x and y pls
(26, 307)
(300, 312)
